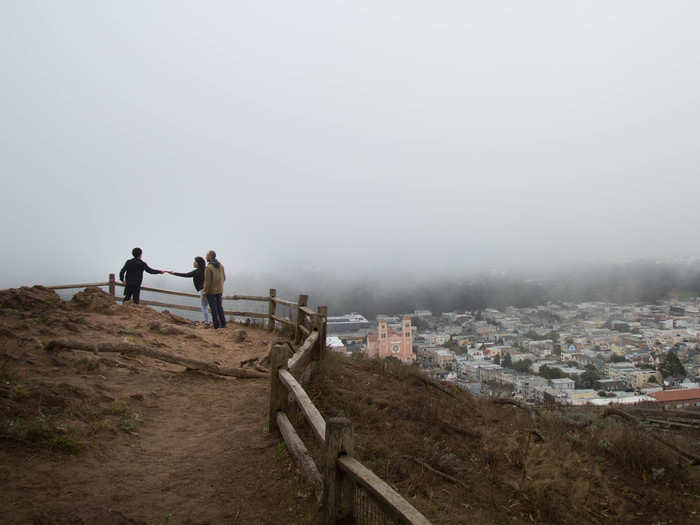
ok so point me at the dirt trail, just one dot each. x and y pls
(159, 444)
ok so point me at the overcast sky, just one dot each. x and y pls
(349, 137)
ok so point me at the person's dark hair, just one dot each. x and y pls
(136, 252)
(201, 263)
(213, 253)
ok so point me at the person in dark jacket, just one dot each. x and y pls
(133, 269)
(198, 280)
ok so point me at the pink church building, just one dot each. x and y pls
(387, 343)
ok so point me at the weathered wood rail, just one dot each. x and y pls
(342, 485)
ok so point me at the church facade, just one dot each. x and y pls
(387, 342)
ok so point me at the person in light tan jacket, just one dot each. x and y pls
(214, 277)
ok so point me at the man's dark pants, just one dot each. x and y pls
(132, 290)
(217, 310)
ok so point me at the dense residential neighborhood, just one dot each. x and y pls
(589, 353)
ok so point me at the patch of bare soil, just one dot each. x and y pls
(464, 460)
(107, 438)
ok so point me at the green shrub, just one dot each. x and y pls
(68, 442)
(31, 430)
(129, 423)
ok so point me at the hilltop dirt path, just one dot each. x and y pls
(161, 444)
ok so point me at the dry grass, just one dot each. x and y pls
(37, 415)
(588, 469)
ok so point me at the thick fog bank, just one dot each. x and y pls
(629, 282)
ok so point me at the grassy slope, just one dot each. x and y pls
(604, 473)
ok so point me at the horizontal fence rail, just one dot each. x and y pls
(300, 453)
(303, 356)
(159, 290)
(84, 285)
(281, 320)
(387, 498)
(245, 298)
(146, 302)
(313, 416)
(284, 302)
(308, 311)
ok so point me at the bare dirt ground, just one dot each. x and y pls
(88, 438)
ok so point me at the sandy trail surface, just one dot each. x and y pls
(108, 439)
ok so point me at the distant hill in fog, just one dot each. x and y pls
(630, 282)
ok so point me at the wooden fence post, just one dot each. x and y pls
(319, 323)
(272, 310)
(316, 351)
(323, 311)
(298, 335)
(111, 285)
(278, 392)
(337, 489)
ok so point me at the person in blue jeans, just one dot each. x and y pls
(214, 277)
(198, 280)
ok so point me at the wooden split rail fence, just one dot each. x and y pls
(292, 321)
(342, 484)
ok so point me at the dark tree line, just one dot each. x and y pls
(672, 366)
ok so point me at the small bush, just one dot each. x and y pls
(24, 430)
(68, 442)
(635, 451)
(83, 410)
(18, 393)
(129, 423)
(39, 432)
(117, 408)
(130, 331)
(128, 420)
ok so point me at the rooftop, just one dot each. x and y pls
(334, 342)
(677, 395)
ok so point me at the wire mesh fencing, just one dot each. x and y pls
(366, 511)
